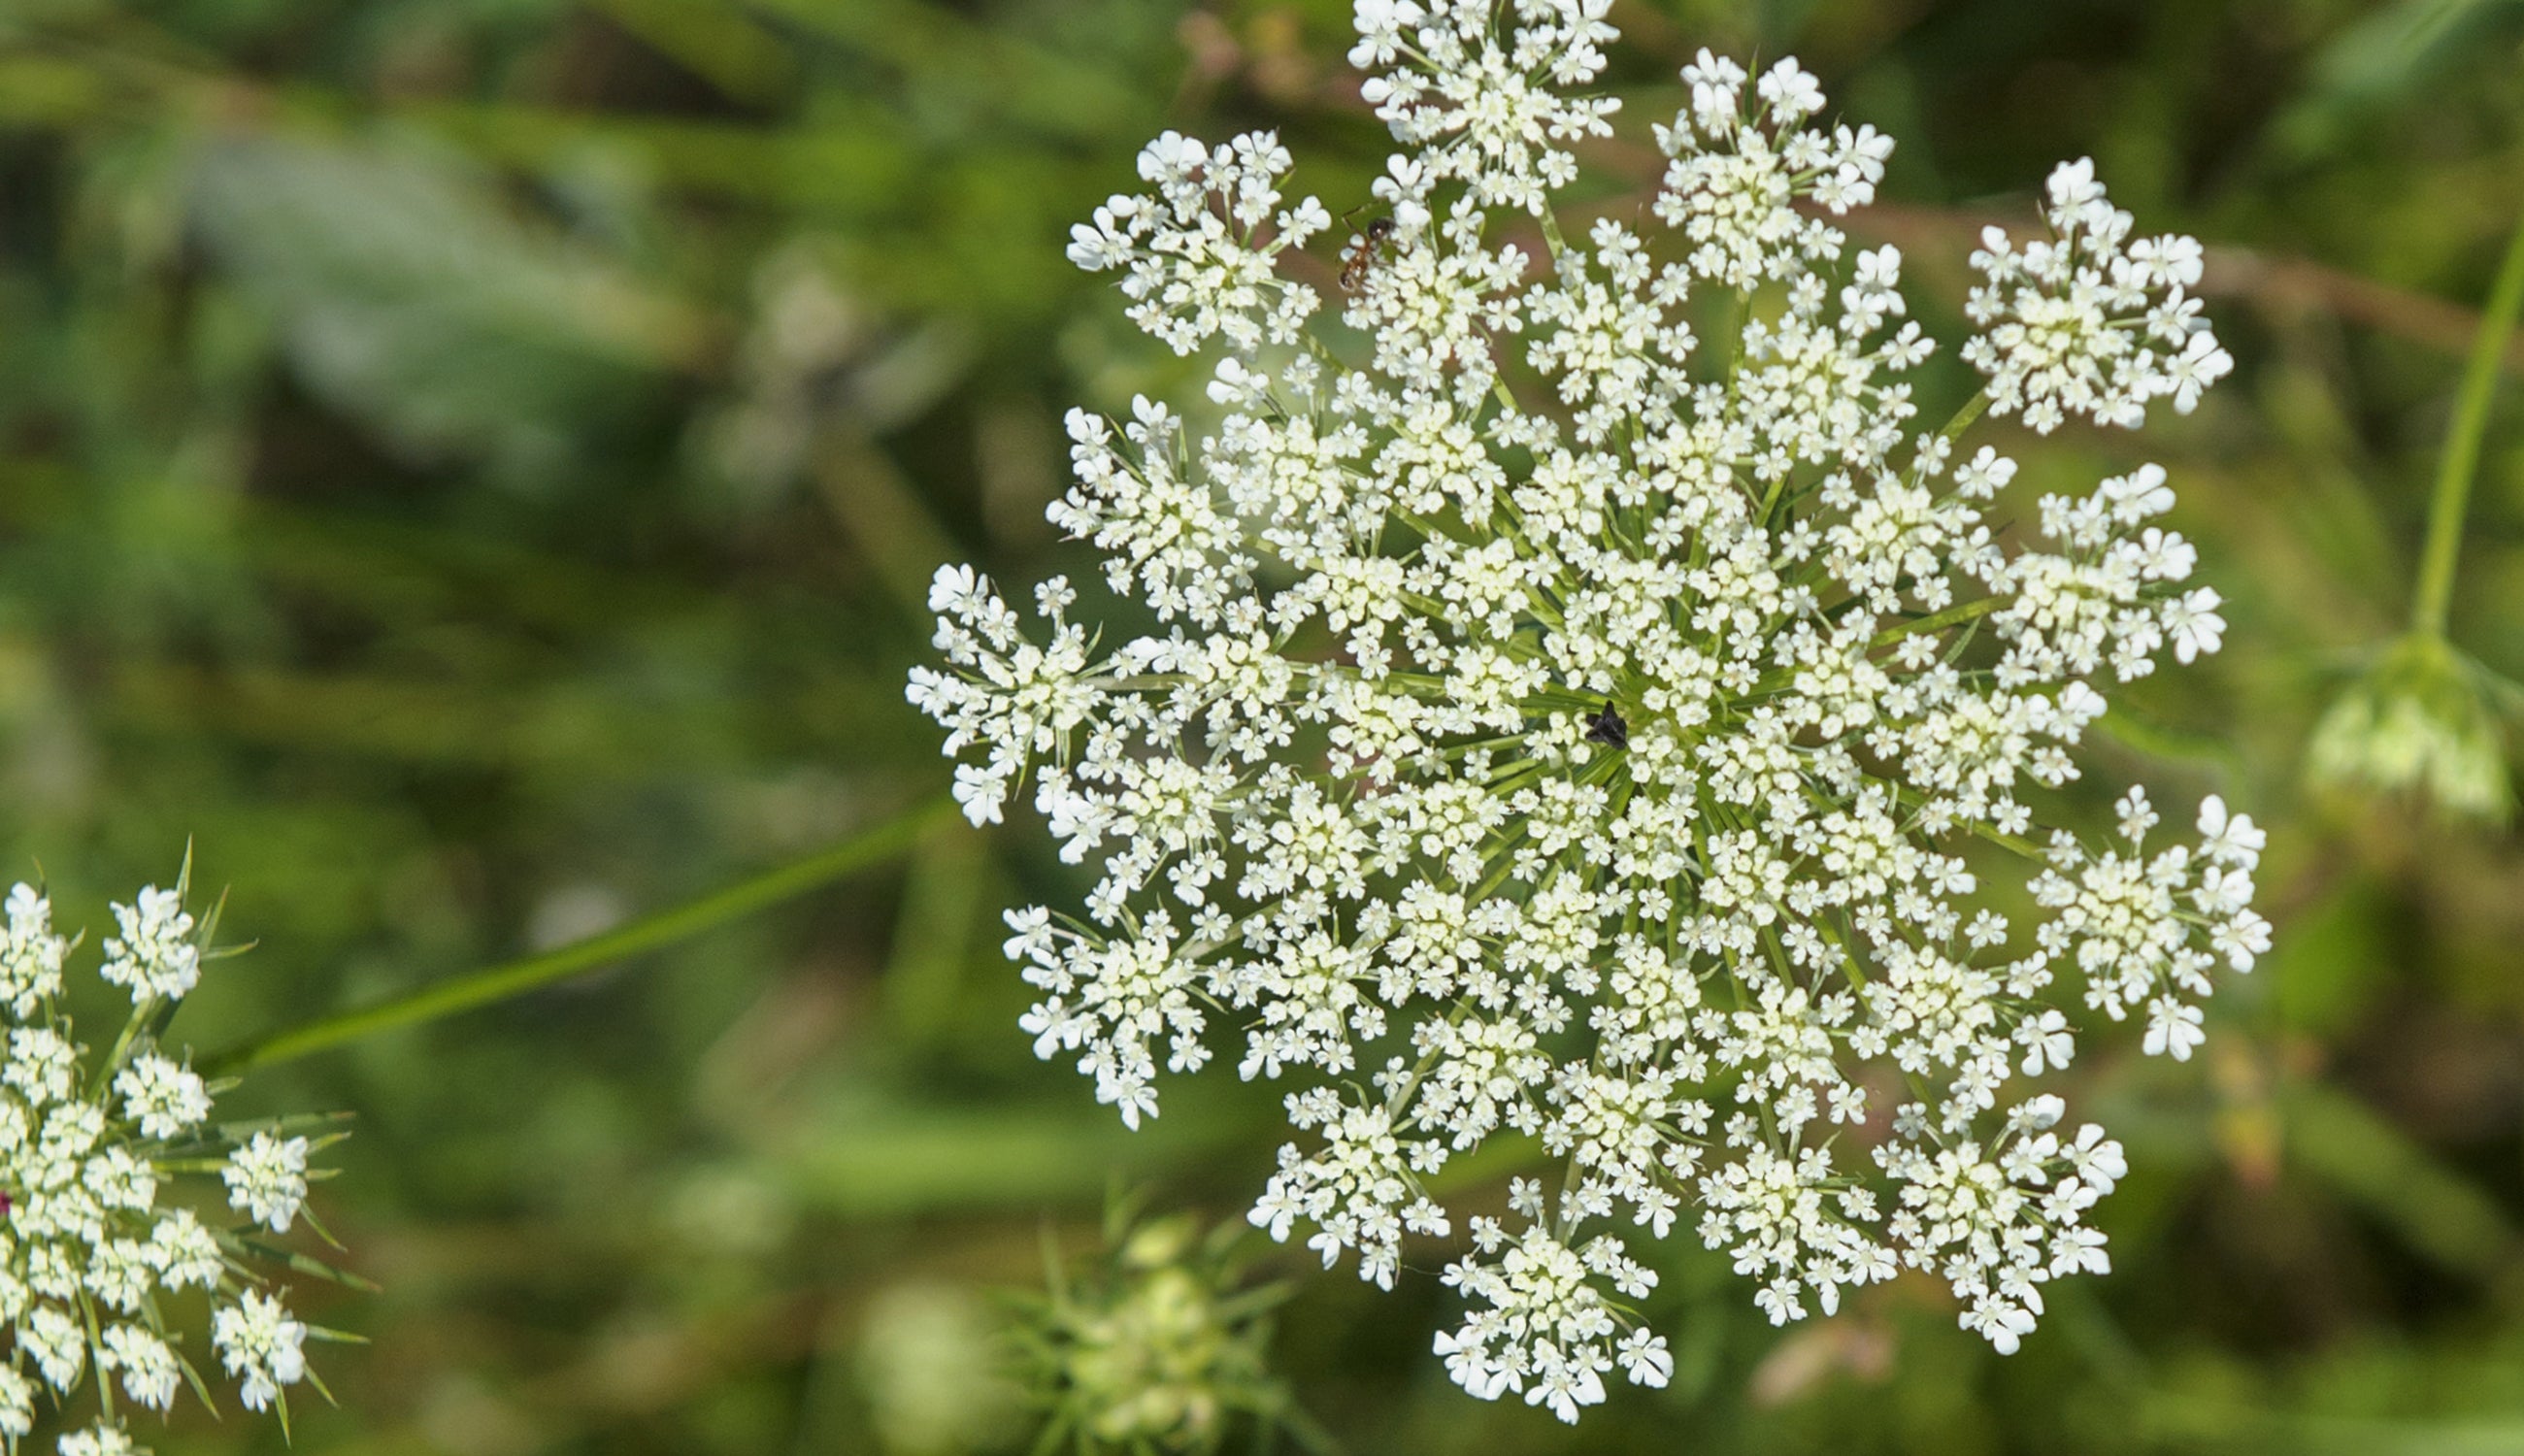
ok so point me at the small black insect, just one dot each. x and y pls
(1608, 729)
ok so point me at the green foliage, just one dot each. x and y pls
(473, 465)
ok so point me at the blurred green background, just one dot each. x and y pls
(473, 465)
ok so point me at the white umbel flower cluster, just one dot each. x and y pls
(118, 1194)
(1560, 728)
(2088, 321)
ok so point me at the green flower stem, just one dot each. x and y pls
(1940, 621)
(1973, 410)
(1551, 237)
(532, 973)
(2462, 459)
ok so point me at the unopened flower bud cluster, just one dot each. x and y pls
(1565, 728)
(122, 1199)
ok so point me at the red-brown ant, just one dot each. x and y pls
(1362, 252)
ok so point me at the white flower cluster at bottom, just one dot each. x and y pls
(96, 1158)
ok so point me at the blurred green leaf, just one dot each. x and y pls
(2388, 58)
(2344, 1142)
(411, 298)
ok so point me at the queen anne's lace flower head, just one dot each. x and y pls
(107, 1206)
(1563, 728)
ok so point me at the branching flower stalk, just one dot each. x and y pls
(1558, 729)
(2426, 716)
(122, 1198)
